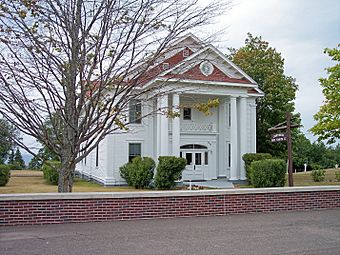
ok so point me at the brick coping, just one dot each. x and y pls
(172, 193)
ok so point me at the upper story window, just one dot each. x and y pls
(186, 113)
(135, 150)
(186, 53)
(135, 111)
(229, 115)
(97, 156)
(166, 66)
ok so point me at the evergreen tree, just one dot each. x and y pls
(18, 160)
(11, 157)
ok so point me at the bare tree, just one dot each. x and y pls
(77, 64)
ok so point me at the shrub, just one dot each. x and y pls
(139, 172)
(318, 175)
(337, 176)
(169, 170)
(248, 158)
(51, 171)
(4, 174)
(12, 167)
(268, 173)
(315, 166)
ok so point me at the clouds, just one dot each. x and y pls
(300, 30)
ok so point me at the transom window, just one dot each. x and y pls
(193, 146)
(135, 150)
(135, 111)
(186, 113)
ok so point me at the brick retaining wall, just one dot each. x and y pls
(30, 209)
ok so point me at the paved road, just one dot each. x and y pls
(316, 232)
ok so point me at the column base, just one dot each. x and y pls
(234, 179)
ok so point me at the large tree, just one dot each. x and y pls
(83, 60)
(328, 117)
(266, 66)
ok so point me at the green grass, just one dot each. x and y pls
(305, 179)
(27, 181)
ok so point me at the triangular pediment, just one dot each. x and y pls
(191, 60)
(223, 69)
(196, 73)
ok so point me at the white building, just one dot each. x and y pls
(212, 144)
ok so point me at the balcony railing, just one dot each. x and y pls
(196, 127)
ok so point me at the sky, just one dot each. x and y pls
(299, 29)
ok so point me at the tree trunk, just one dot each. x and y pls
(66, 174)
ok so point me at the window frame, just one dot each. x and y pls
(186, 116)
(97, 155)
(133, 155)
(135, 107)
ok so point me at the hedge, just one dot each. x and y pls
(4, 174)
(51, 171)
(169, 170)
(248, 158)
(268, 173)
(139, 172)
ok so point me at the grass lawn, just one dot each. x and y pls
(26, 181)
(305, 179)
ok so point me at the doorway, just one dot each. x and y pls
(197, 157)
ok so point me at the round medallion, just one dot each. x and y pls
(206, 68)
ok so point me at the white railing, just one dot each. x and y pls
(198, 127)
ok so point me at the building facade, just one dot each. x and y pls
(213, 142)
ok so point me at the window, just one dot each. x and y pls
(206, 162)
(186, 113)
(198, 159)
(135, 111)
(229, 115)
(166, 66)
(193, 146)
(188, 157)
(97, 156)
(229, 155)
(186, 53)
(135, 150)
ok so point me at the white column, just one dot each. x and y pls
(158, 127)
(243, 135)
(175, 127)
(233, 139)
(222, 124)
(253, 125)
(164, 132)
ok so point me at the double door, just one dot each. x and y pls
(196, 163)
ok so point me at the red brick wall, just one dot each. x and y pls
(30, 212)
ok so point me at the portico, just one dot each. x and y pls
(213, 145)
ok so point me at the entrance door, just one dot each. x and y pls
(194, 169)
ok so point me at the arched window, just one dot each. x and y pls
(193, 146)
